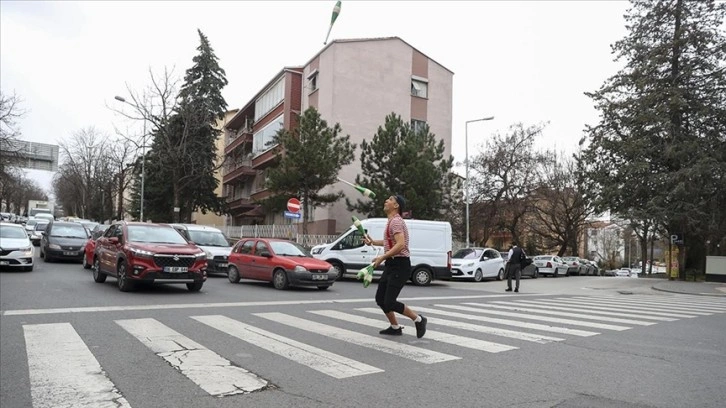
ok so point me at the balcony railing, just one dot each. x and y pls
(242, 169)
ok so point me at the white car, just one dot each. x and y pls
(16, 250)
(477, 263)
(623, 273)
(210, 240)
(550, 265)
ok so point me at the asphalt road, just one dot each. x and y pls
(567, 342)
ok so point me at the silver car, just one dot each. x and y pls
(16, 251)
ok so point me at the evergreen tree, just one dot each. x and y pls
(660, 146)
(313, 156)
(399, 160)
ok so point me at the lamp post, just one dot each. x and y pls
(143, 163)
(466, 161)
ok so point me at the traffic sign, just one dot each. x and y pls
(293, 205)
(289, 214)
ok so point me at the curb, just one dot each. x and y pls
(688, 293)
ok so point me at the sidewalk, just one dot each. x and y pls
(692, 288)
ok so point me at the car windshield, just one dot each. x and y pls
(570, 258)
(68, 231)
(543, 258)
(467, 253)
(30, 223)
(12, 232)
(154, 234)
(282, 248)
(90, 225)
(208, 238)
(41, 226)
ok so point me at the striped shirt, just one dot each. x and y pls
(395, 226)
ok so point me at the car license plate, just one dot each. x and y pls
(320, 276)
(4, 262)
(70, 253)
(223, 264)
(175, 269)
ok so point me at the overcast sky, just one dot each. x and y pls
(520, 61)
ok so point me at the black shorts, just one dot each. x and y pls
(396, 272)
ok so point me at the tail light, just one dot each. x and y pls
(549, 264)
(448, 259)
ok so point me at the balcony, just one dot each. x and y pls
(242, 136)
(241, 170)
(240, 204)
(261, 194)
(267, 158)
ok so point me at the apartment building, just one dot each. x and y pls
(355, 83)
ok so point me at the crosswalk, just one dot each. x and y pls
(64, 372)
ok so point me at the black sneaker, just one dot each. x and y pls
(508, 290)
(516, 290)
(393, 332)
(421, 327)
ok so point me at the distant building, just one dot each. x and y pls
(355, 83)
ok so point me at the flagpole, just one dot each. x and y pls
(336, 11)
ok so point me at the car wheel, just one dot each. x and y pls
(98, 276)
(86, 265)
(557, 273)
(535, 275)
(279, 279)
(42, 255)
(478, 276)
(233, 274)
(422, 277)
(339, 269)
(124, 285)
(500, 275)
(196, 286)
(323, 287)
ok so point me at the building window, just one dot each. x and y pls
(418, 125)
(313, 81)
(419, 88)
(262, 140)
(270, 99)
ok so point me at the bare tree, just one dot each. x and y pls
(10, 150)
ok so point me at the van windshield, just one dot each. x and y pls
(208, 238)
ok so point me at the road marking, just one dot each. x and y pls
(63, 371)
(521, 308)
(536, 338)
(540, 318)
(665, 308)
(679, 305)
(534, 326)
(210, 371)
(609, 307)
(454, 339)
(387, 346)
(94, 309)
(545, 305)
(690, 299)
(318, 359)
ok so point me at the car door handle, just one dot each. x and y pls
(365, 252)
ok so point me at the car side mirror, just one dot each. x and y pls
(484, 258)
(266, 254)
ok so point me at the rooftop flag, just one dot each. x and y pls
(336, 11)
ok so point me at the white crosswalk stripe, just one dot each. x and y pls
(63, 371)
(678, 299)
(585, 305)
(454, 339)
(519, 308)
(546, 305)
(316, 358)
(419, 354)
(213, 373)
(505, 322)
(539, 318)
(642, 305)
(536, 338)
(673, 305)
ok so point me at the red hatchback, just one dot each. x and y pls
(154, 253)
(281, 262)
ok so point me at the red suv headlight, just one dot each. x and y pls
(141, 253)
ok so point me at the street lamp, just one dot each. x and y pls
(143, 162)
(466, 161)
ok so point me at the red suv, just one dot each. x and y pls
(154, 253)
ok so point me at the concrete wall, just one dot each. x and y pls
(716, 269)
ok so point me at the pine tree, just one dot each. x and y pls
(399, 160)
(313, 156)
(660, 146)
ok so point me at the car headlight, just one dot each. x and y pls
(54, 246)
(316, 251)
(27, 251)
(300, 268)
(201, 256)
(469, 264)
(142, 253)
(208, 254)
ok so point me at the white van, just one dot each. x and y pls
(212, 241)
(429, 243)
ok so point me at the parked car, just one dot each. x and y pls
(284, 263)
(90, 247)
(16, 251)
(623, 273)
(477, 263)
(37, 232)
(212, 241)
(550, 265)
(135, 252)
(574, 267)
(63, 240)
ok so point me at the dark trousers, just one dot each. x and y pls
(516, 270)
(395, 274)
